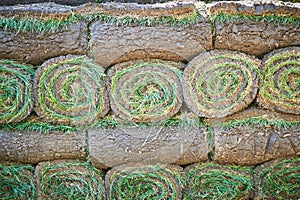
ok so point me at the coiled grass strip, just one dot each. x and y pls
(71, 180)
(213, 181)
(71, 90)
(16, 182)
(280, 90)
(15, 91)
(219, 83)
(144, 182)
(146, 91)
(281, 181)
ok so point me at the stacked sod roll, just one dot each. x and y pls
(69, 180)
(279, 180)
(213, 181)
(70, 90)
(17, 182)
(219, 83)
(146, 90)
(136, 181)
(16, 99)
(280, 87)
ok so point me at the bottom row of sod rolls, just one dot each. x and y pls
(77, 180)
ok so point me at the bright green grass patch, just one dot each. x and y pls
(213, 181)
(47, 127)
(281, 181)
(72, 181)
(15, 91)
(50, 25)
(104, 123)
(146, 182)
(16, 182)
(222, 17)
(260, 122)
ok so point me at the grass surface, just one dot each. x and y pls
(281, 181)
(147, 182)
(16, 182)
(51, 25)
(213, 181)
(222, 17)
(71, 181)
(261, 122)
(15, 91)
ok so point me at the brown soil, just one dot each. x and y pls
(112, 147)
(173, 41)
(34, 147)
(35, 48)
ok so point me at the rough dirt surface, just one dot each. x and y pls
(34, 147)
(182, 42)
(256, 38)
(252, 145)
(112, 147)
(76, 2)
(35, 48)
(256, 7)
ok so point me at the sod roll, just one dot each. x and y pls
(280, 87)
(279, 180)
(133, 181)
(70, 90)
(146, 91)
(17, 182)
(69, 180)
(219, 83)
(213, 181)
(15, 91)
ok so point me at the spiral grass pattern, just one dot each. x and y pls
(213, 181)
(71, 180)
(281, 181)
(71, 90)
(219, 83)
(15, 91)
(16, 182)
(144, 182)
(280, 87)
(146, 91)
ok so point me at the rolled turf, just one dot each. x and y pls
(220, 82)
(279, 180)
(17, 182)
(213, 181)
(69, 180)
(16, 100)
(146, 91)
(280, 87)
(133, 181)
(71, 90)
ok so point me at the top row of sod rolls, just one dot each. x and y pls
(75, 90)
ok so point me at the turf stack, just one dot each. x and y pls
(70, 90)
(146, 91)
(279, 180)
(144, 182)
(280, 90)
(16, 182)
(69, 180)
(15, 91)
(220, 83)
(213, 181)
